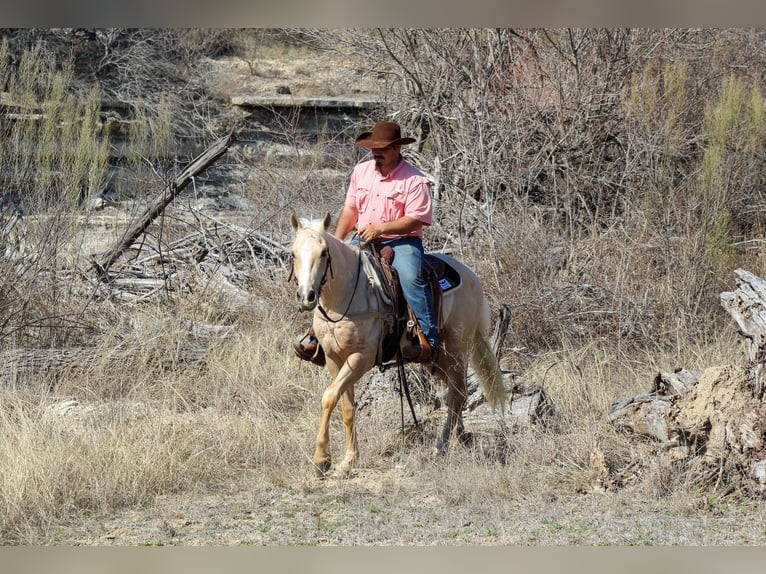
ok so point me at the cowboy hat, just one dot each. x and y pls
(383, 134)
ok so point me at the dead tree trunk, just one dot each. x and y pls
(527, 400)
(747, 306)
(172, 189)
(648, 413)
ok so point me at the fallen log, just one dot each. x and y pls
(527, 401)
(172, 189)
(649, 414)
(46, 366)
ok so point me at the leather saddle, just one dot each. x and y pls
(440, 276)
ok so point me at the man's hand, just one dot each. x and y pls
(401, 226)
(371, 232)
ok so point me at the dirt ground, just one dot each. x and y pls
(357, 512)
(291, 70)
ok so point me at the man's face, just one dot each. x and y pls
(386, 158)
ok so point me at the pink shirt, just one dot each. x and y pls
(379, 198)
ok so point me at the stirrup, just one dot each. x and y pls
(309, 349)
(417, 353)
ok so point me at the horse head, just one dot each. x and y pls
(311, 259)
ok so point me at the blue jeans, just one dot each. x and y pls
(409, 265)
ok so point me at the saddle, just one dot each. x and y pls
(440, 276)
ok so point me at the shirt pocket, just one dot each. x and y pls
(362, 199)
(394, 204)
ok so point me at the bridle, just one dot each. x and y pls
(328, 269)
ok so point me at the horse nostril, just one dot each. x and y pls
(306, 296)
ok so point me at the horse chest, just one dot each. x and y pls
(345, 336)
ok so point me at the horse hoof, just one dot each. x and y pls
(343, 471)
(321, 468)
(466, 438)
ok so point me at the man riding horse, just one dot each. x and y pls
(389, 201)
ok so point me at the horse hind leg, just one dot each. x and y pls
(454, 376)
(466, 437)
(442, 443)
(453, 424)
(491, 383)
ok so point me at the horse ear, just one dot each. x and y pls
(294, 221)
(327, 219)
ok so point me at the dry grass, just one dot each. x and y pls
(126, 431)
(131, 435)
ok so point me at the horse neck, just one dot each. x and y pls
(342, 282)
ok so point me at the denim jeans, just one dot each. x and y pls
(409, 262)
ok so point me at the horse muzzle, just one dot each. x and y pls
(307, 298)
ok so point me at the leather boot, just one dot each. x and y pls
(417, 353)
(309, 349)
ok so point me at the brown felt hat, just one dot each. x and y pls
(383, 134)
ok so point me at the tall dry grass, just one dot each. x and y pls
(128, 429)
(125, 432)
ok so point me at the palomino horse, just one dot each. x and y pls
(351, 319)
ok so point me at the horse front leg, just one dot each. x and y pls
(348, 410)
(322, 459)
(350, 372)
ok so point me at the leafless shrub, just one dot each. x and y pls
(607, 134)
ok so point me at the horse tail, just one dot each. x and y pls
(484, 362)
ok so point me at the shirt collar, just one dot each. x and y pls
(393, 171)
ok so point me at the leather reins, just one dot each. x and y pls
(327, 268)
